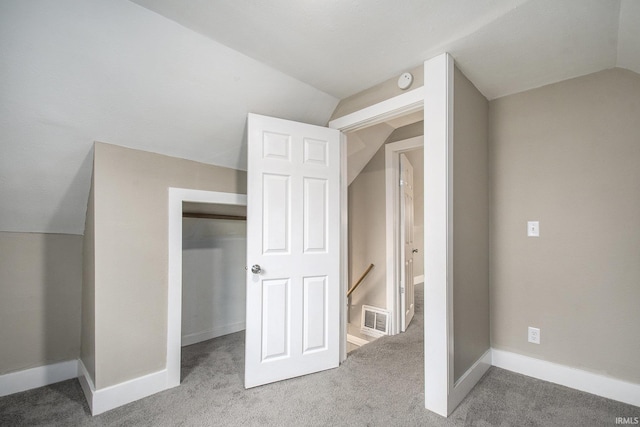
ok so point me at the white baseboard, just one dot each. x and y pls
(86, 383)
(213, 333)
(120, 394)
(356, 340)
(27, 379)
(468, 380)
(418, 279)
(579, 379)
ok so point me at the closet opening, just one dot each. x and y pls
(207, 282)
(214, 244)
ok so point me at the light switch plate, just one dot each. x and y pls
(533, 335)
(533, 228)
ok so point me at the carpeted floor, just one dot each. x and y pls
(380, 384)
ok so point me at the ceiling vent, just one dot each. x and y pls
(375, 321)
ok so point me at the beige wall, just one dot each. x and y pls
(378, 93)
(470, 225)
(568, 155)
(88, 338)
(131, 223)
(40, 285)
(367, 237)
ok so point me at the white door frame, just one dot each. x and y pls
(392, 153)
(436, 97)
(438, 236)
(174, 296)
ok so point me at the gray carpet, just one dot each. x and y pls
(380, 384)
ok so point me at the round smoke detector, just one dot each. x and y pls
(405, 80)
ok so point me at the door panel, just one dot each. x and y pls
(275, 214)
(293, 195)
(275, 319)
(315, 215)
(315, 314)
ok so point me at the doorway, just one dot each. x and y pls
(436, 98)
(374, 220)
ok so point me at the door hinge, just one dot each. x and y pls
(402, 290)
(401, 183)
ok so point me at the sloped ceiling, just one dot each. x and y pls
(77, 71)
(344, 47)
(178, 77)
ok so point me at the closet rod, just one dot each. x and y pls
(213, 216)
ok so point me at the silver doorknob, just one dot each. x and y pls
(256, 269)
(415, 251)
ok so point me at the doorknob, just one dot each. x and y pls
(256, 269)
(415, 251)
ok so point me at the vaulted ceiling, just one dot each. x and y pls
(343, 47)
(178, 77)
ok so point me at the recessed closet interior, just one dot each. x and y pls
(214, 240)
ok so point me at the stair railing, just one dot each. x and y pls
(353, 288)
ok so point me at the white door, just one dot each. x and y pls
(407, 247)
(293, 250)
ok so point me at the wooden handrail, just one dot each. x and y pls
(353, 288)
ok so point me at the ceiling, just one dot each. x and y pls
(179, 77)
(343, 47)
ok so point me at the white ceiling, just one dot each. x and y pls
(343, 47)
(76, 71)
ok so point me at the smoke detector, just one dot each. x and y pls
(405, 80)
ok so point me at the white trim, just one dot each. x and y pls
(86, 383)
(597, 384)
(392, 220)
(397, 106)
(40, 376)
(438, 183)
(418, 279)
(356, 340)
(212, 333)
(174, 296)
(468, 380)
(117, 395)
(344, 246)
